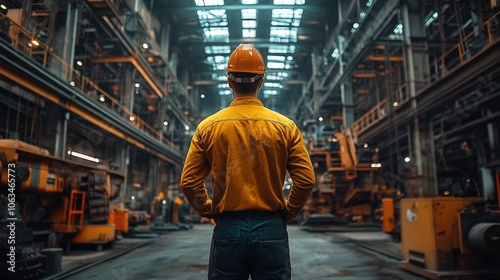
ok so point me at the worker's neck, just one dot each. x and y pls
(235, 95)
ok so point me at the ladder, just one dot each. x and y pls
(76, 210)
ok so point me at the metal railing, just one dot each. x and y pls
(454, 57)
(24, 41)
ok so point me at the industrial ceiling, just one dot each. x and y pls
(287, 33)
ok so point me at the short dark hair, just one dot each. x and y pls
(245, 88)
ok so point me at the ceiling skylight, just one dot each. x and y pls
(217, 50)
(270, 92)
(219, 62)
(209, 2)
(218, 77)
(289, 2)
(272, 85)
(282, 49)
(277, 76)
(249, 23)
(283, 28)
(249, 14)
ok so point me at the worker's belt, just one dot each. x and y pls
(251, 214)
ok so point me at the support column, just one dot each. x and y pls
(477, 21)
(165, 41)
(421, 181)
(119, 163)
(65, 40)
(347, 99)
(54, 136)
(492, 154)
(127, 94)
(346, 91)
(153, 178)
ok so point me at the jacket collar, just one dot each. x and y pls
(246, 100)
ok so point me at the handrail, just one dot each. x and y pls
(25, 42)
(449, 60)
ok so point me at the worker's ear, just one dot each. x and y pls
(230, 82)
(261, 80)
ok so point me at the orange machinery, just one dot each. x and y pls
(349, 188)
(451, 237)
(60, 200)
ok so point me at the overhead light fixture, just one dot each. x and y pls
(83, 156)
(145, 45)
(102, 98)
(131, 118)
(79, 63)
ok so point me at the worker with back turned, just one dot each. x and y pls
(247, 149)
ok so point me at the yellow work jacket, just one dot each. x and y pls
(247, 149)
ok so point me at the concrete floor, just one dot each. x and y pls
(183, 255)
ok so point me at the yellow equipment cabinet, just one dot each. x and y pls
(431, 240)
(96, 234)
(119, 217)
(388, 221)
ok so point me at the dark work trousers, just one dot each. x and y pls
(250, 243)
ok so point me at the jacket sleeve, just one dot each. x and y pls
(301, 171)
(196, 169)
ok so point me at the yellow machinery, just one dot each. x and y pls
(349, 188)
(61, 202)
(447, 237)
(450, 238)
(388, 215)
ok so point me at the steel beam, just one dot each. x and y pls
(33, 77)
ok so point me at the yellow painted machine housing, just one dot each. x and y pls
(388, 219)
(430, 231)
(119, 217)
(36, 160)
(55, 183)
(95, 234)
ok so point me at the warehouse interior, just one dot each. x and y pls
(119, 86)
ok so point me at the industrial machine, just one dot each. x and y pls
(53, 203)
(453, 232)
(450, 238)
(349, 188)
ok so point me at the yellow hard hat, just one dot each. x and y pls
(246, 59)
